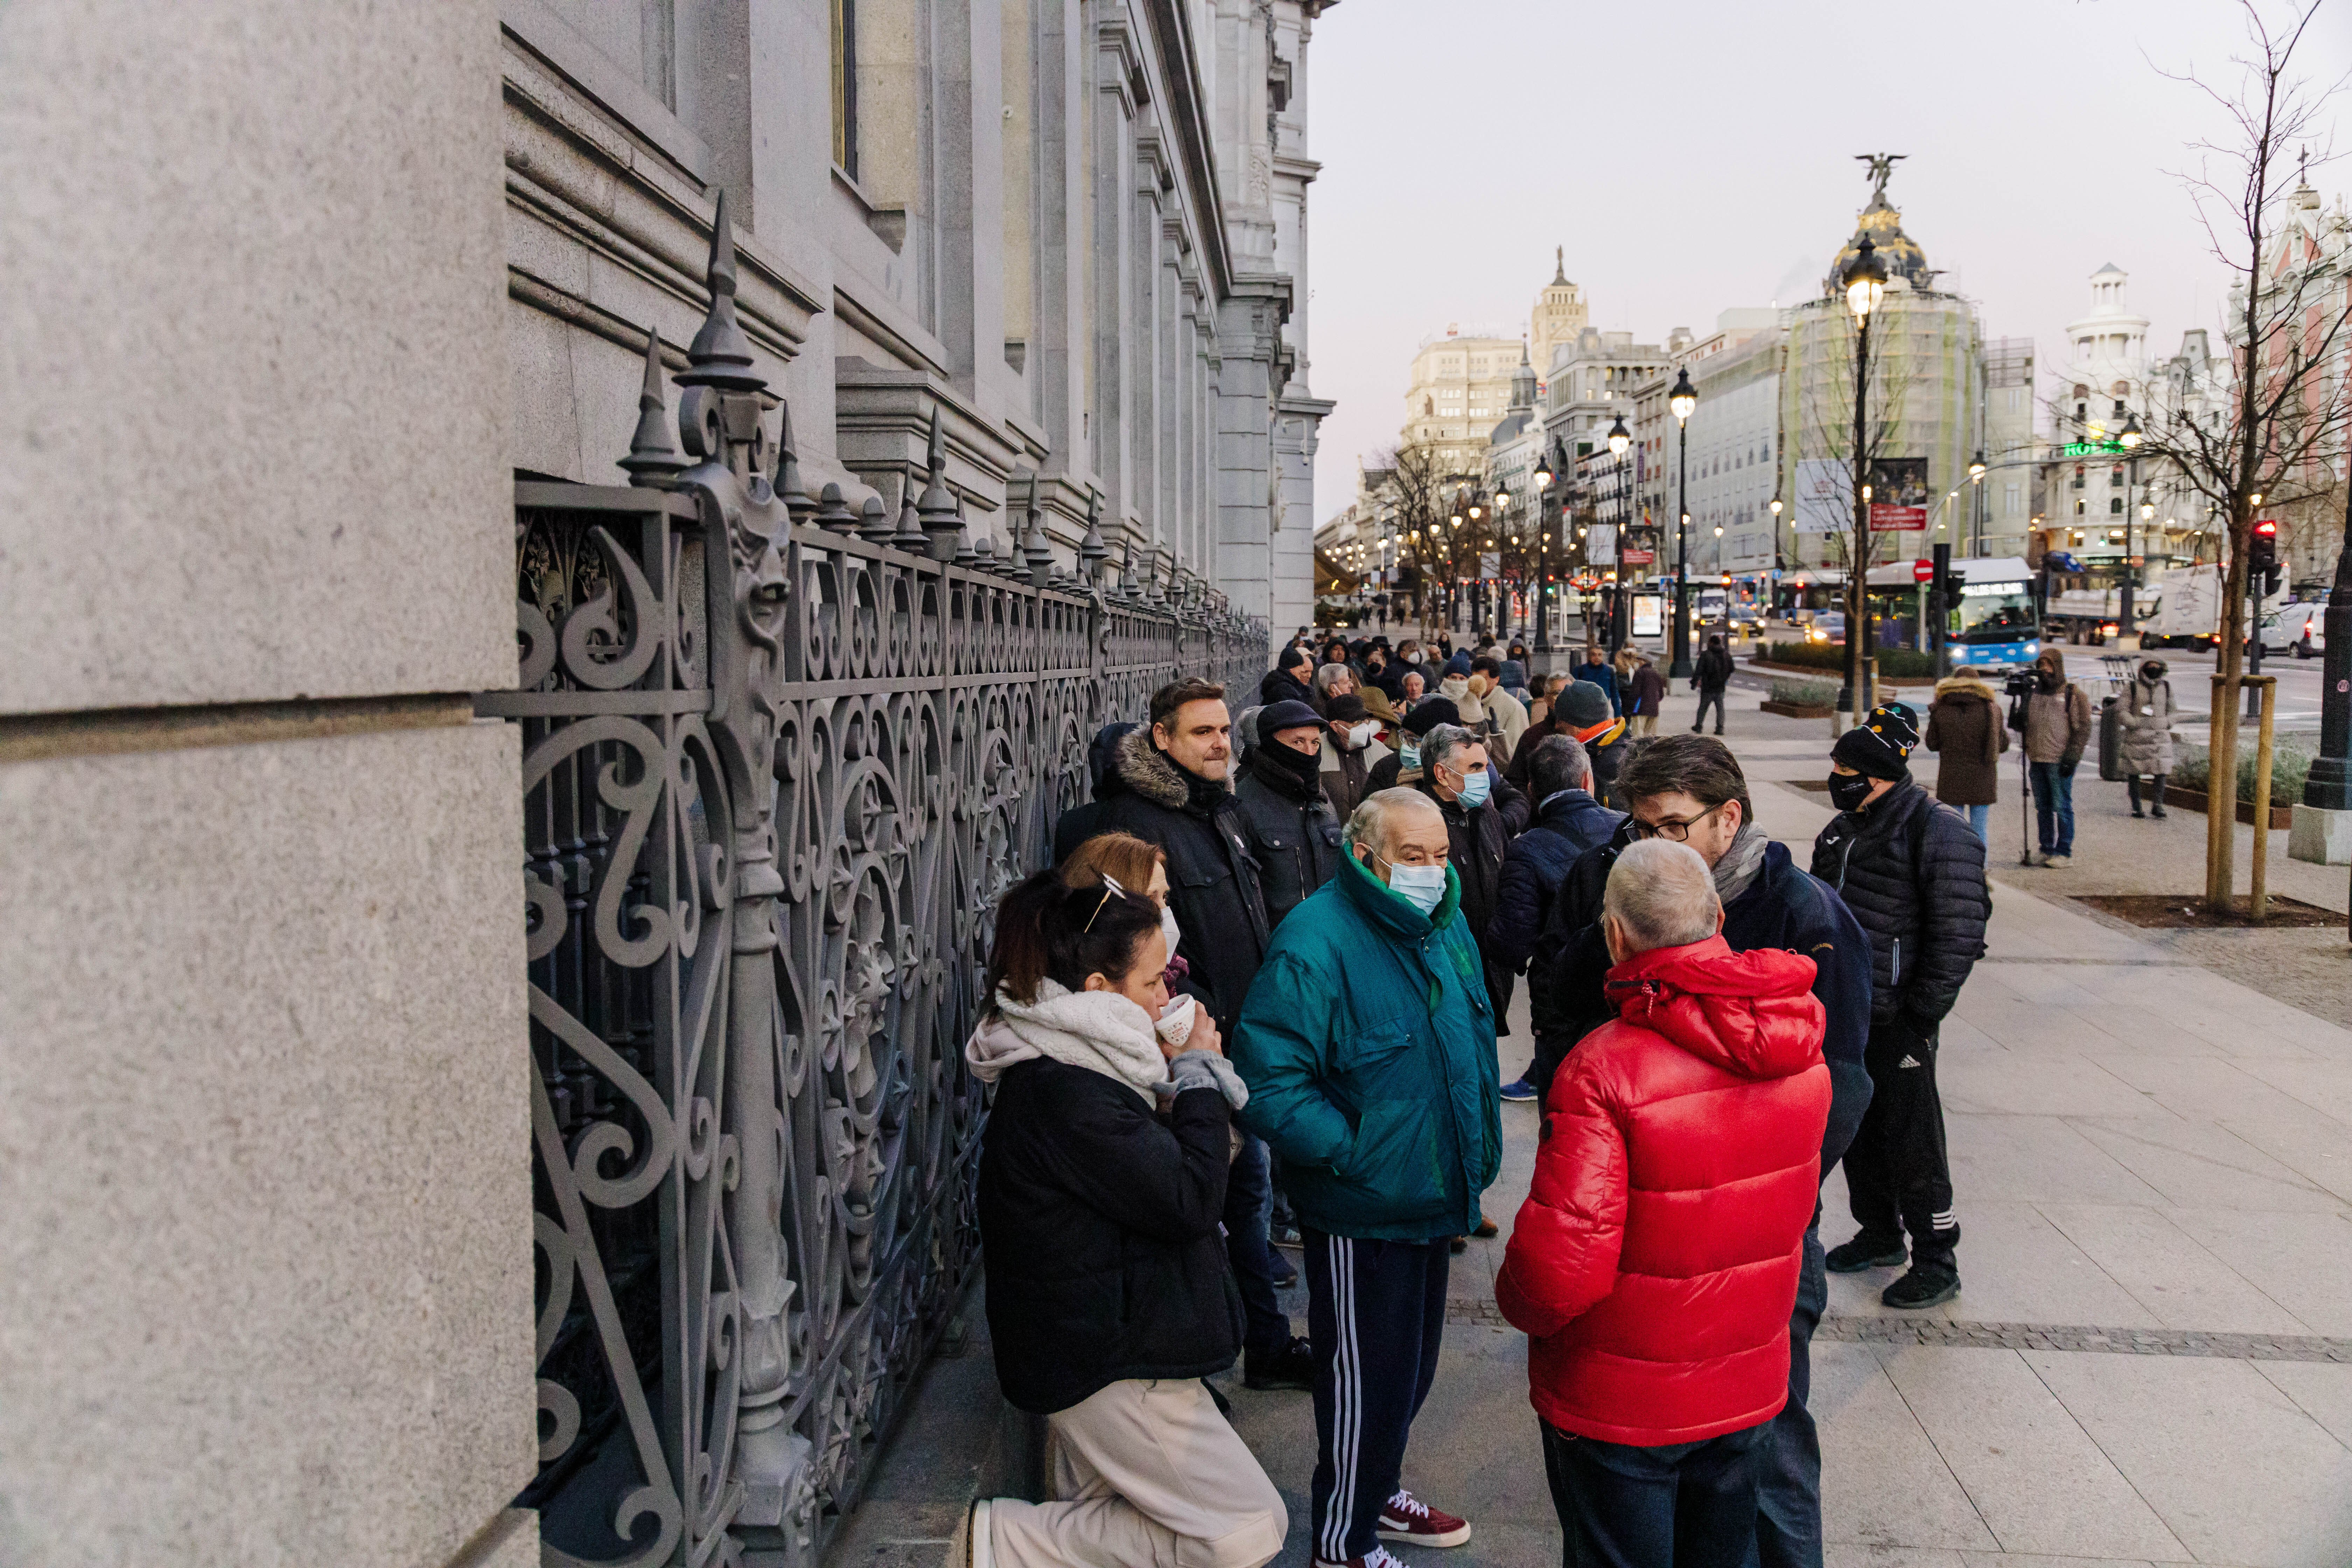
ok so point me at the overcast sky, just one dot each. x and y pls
(1698, 154)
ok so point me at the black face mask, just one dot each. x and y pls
(1305, 767)
(1848, 791)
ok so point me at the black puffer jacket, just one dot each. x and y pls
(1081, 822)
(1537, 862)
(1281, 686)
(1294, 834)
(1913, 873)
(1213, 880)
(1479, 840)
(1098, 1236)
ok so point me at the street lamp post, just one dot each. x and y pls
(1503, 525)
(1865, 286)
(1772, 597)
(1543, 556)
(2128, 438)
(1682, 400)
(1621, 440)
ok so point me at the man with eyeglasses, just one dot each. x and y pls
(1688, 789)
(1368, 1043)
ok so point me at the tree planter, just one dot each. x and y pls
(1797, 710)
(2194, 800)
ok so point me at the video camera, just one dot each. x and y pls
(2020, 683)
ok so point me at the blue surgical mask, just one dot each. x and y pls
(1420, 886)
(1476, 789)
(1408, 754)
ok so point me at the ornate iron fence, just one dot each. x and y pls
(779, 760)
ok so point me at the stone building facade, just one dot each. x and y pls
(290, 329)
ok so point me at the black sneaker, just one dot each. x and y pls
(1866, 1251)
(1284, 1276)
(1922, 1287)
(1292, 1367)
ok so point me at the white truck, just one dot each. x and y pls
(2188, 609)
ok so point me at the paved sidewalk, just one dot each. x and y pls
(2151, 1360)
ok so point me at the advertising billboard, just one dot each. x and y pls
(1601, 544)
(1898, 495)
(1824, 499)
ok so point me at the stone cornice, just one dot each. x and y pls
(1188, 123)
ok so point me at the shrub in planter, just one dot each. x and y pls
(1804, 693)
(2290, 763)
(1893, 661)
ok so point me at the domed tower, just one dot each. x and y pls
(1559, 315)
(1523, 382)
(1884, 222)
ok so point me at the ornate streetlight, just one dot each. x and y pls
(1621, 617)
(1682, 401)
(2128, 438)
(1543, 555)
(1865, 286)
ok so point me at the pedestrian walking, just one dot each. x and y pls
(1965, 730)
(1368, 1047)
(1350, 747)
(1913, 874)
(1293, 834)
(1653, 1264)
(2145, 713)
(1568, 822)
(2056, 723)
(1176, 796)
(1102, 1180)
(1646, 698)
(1709, 679)
(1690, 790)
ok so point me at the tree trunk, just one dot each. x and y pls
(2221, 734)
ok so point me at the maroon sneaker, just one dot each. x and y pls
(1409, 1521)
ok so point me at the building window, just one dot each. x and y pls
(2115, 504)
(845, 86)
(2080, 506)
(2078, 476)
(2115, 476)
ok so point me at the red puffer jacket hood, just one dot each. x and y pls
(1753, 1013)
(1655, 1263)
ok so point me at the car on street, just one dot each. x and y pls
(2300, 629)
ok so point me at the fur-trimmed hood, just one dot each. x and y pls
(1145, 769)
(1964, 686)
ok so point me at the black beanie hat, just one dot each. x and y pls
(1288, 714)
(1880, 746)
(1430, 713)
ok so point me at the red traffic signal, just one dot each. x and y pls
(2266, 528)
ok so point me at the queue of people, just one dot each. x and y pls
(1287, 966)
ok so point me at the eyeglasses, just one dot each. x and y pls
(1676, 832)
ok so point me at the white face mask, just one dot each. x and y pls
(1360, 735)
(1420, 886)
(1168, 928)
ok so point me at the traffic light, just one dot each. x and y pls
(2262, 558)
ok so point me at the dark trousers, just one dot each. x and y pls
(1705, 697)
(1788, 1456)
(1376, 1313)
(2155, 791)
(1550, 1051)
(2054, 807)
(1249, 1204)
(1897, 1176)
(1679, 1505)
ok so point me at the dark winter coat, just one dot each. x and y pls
(1081, 822)
(1294, 834)
(1369, 1049)
(1648, 693)
(1783, 907)
(1607, 751)
(1477, 841)
(1605, 676)
(1347, 775)
(1213, 880)
(1965, 732)
(1537, 862)
(1714, 672)
(1914, 875)
(1509, 801)
(1281, 686)
(1098, 1224)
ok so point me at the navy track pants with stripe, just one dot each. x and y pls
(1375, 1315)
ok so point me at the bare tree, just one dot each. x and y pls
(1420, 492)
(2283, 423)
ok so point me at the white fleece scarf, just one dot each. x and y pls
(1101, 1031)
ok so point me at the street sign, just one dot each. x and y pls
(1637, 555)
(1923, 570)
(2094, 449)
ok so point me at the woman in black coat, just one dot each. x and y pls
(1102, 1181)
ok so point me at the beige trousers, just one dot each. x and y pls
(1145, 1475)
(1645, 723)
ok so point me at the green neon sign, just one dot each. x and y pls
(2094, 449)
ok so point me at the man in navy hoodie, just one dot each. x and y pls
(1690, 789)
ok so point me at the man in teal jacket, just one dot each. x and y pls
(1367, 1042)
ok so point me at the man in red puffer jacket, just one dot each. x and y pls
(1655, 1263)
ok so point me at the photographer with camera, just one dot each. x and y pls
(2054, 716)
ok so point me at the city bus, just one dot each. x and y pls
(1994, 624)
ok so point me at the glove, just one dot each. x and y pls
(1206, 1069)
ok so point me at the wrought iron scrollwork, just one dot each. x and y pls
(776, 772)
